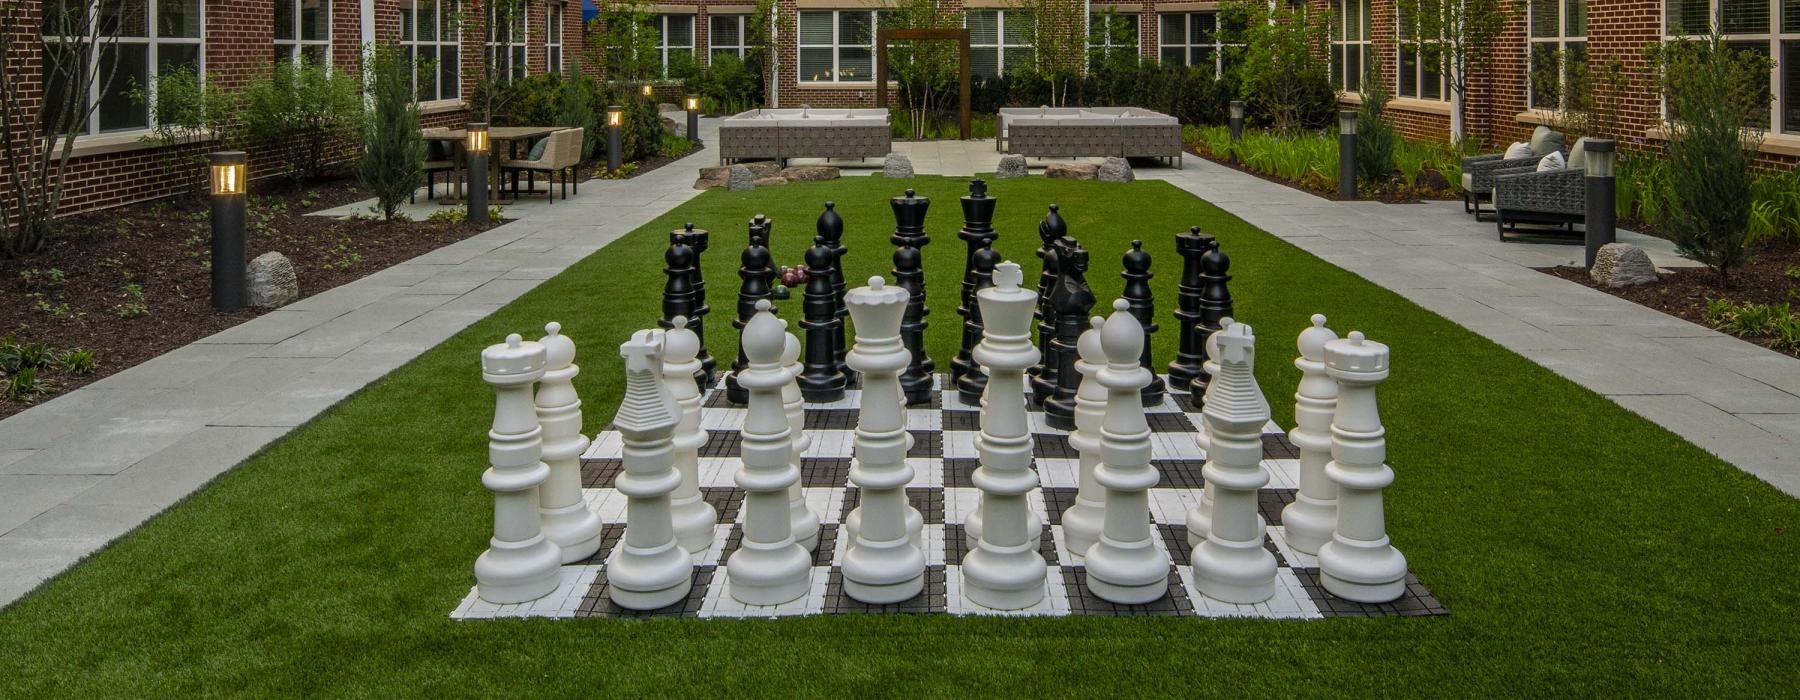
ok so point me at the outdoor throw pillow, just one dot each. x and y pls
(1543, 142)
(1519, 149)
(437, 150)
(1578, 154)
(537, 149)
(1554, 161)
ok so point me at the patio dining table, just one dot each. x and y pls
(512, 136)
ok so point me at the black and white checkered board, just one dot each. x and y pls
(943, 457)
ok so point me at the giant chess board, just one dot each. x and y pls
(943, 457)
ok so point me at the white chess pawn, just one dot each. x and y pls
(520, 563)
(1082, 522)
(1309, 521)
(884, 563)
(805, 521)
(1199, 517)
(1231, 564)
(1359, 563)
(1125, 566)
(648, 569)
(695, 519)
(769, 567)
(565, 517)
(1004, 570)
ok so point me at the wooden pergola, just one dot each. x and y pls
(959, 35)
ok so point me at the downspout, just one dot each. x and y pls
(775, 55)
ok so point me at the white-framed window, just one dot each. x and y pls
(1350, 43)
(303, 29)
(725, 35)
(505, 49)
(1191, 39)
(1767, 27)
(837, 46)
(1417, 75)
(553, 37)
(999, 41)
(431, 41)
(1111, 34)
(1558, 57)
(675, 42)
(142, 40)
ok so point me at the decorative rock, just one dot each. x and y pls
(809, 173)
(1115, 169)
(763, 168)
(771, 181)
(271, 281)
(1616, 265)
(714, 176)
(667, 107)
(1011, 166)
(741, 179)
(897, 165)
(1072, 171)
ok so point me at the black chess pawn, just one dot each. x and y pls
(909, 273)
(973, 382)
(1071, 302)
(758, 276)
(1137, 276)
(820, 381)
(977, 232)
(1191, 351)
(678, 299)
(1215, 305)
(1051, 231)
(831, 228)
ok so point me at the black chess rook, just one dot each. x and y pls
(1191, 351)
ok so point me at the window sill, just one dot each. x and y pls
(1774, 144)
(862, 85)
(123, 142)
(1350, 98)
(1413, 104)
(1546, 117)
(442, 106)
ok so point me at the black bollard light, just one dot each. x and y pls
(693, 110)
(1347, 154)
(1237, 119)
(476, 146)
(229, 292)
(1602, 219)
(615, 123)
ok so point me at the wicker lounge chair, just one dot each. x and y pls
(1479, 171)
(440, 157)
(1527, 196)
(561, 154)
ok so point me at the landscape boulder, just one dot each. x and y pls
(771, 181)
(1072, 171)
(1011, 165)
(714, 176)
(1115, 169)
(896, 165)
(763, 168)
(742, 178)
(809, 173)
(1622, 265)
(271, 281)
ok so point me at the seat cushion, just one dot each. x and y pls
(1468, 182)
(1519, 149)
(1553, 161)
(1544, 142)
(1578, 154)
(437, 150)
(537, 149)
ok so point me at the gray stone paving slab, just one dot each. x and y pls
(24, 496)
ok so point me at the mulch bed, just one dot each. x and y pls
(1393, 191)
(1683, 292)
(597, 168)
(132, 283)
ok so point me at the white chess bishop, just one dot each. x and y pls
(804, 522)
(1199, 517)
(1359, 563)
(648, 569)
(1125, 566)
(1004, 570)
(1309, 521)
(884, 563)
(1082, 521)
(566, 519)
(769, 567)
(1231, 564)
(695, 519)
(520, 563)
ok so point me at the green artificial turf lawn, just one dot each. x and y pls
(1579, 548)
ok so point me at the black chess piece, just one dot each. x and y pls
(973, 383)
(699, 239)
(678, 299)
(765, 227)
(1137, 276)
(909, 273)
(1215, 305)
(831, 228)
(820, 381)
(1043, 375)
(1191, 353)
(758, 277)
(977, 232)
(1071, 302)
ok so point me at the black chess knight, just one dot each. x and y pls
(1071, 303)
(1137, 276)
(909, 274)
(1214, 306)
(759, 284)
(977, 232)
(820, 381)
(831, 228)
(973, 383)
(1191, 352)
(1051, 231)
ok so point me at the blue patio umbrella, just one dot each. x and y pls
(588, 11)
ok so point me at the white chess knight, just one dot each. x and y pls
(1082, 521)
(1125, 566)
(1309, 521)
(520, 564)
(1004, 570)
(565, 517)
(883, 563)
(648, 569)
(1231, 564)
(694, 518)
(769, 567)
(1359, 563)
(804, 522)
(1199, 517)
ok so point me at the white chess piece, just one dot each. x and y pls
(1309, 521)
(805, 523)
(1231, 564)
(1082, 521)
(1199, 517)
(769, 567)
(1359, 563)
(883, 563)
(565, 517)
(1004, 570)
(648, 569)
(1125, 566)
(520, 563)
(695, 519)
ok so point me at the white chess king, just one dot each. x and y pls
(520, 563)
(1359, 563)
(648, 569)
(694, 517)
(1308, 522)
(567, 520)
(769, 567)
(883, 563)
(1125, 566)
(1231, 564)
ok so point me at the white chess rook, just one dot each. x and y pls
(695, 519)
(565, 517)
(769, 567)
(883, 563)
(805, 523)
(1125, 566)
(1231, 564)
(1359, 563)
(648, 569)
(1199, 517)
(1004, 570)
(520, 563)
(1309, 521)
(1082, 522)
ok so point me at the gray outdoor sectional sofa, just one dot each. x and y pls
(1129, 132)
(780, 134)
